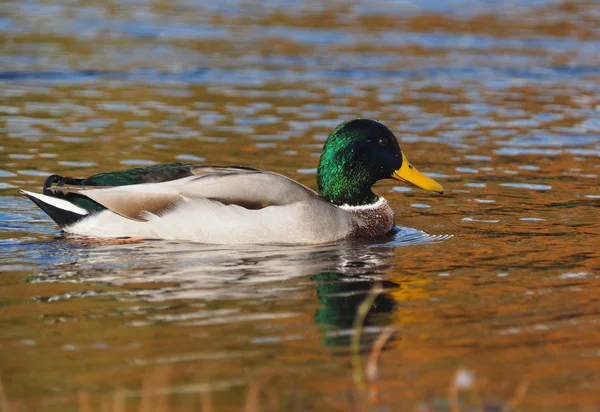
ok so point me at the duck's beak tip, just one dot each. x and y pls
(407, 173)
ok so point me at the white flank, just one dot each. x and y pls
(58, 203)
(206, 221)
(380, 201)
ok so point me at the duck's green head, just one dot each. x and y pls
(359, 153)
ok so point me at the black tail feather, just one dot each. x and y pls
(62, 217)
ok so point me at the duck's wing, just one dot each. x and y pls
(245, 187)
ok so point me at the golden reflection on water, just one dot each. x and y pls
(499, 105)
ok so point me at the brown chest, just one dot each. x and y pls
(372, 221)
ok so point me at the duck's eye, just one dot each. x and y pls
(382, 142)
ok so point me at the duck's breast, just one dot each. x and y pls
(373, 220)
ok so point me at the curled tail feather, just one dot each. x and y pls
(60, 181)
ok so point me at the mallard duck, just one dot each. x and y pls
(236, 204)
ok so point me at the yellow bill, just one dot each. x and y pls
(408, 174)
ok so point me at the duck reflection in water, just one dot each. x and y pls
(341, 296)
(341, 292)
(342, 273)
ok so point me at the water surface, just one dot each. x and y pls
(491, 291)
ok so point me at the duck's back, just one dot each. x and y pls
(207, 204)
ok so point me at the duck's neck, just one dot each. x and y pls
(342, 189)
